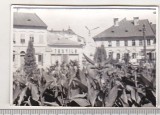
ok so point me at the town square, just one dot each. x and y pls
(84, 57)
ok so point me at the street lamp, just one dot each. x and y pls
(144, 46)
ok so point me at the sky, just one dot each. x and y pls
(77, 19)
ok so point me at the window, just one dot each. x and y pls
(117, 43)
(148, 42)
(22, 41)
(133, 42)
(109, 43)
(59, 51)
(13, 56)
(110, 54)
(125, 43)
(140, 42)
(72, 51)
(22, 38)
(41, 39)
(55, 51)
(149, 56)
(75, 51)
(40, 59)
(62, 51)
(154, 41)
(118, 56)
(32, 37)
(126, 57)
(133, 55)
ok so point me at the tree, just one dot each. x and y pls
(100, 54)
(30, 66)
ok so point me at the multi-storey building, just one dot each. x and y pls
(128, 37)
(50, 46)
(28, 26)
(65, 45)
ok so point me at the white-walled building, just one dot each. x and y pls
(49, 46)
(65, 45)
(126, 37)
(28, 26)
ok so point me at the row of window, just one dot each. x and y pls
(133, 55)
(40, 58)
(23, 41)
(141, 42)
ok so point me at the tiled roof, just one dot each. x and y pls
(51, 38)
(64, 42)
(126, 29)
(69, 31)
(56, 37)
(27, 20)
(154, 28)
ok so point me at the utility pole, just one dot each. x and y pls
(144, 46)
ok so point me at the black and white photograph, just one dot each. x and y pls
(83, 56)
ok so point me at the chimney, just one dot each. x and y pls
(116, 22)
(136, 20)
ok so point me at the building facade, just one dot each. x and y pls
(128, 37)
(65, 45)
(28, 26)
(49, 46)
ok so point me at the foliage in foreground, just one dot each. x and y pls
(101, 83)
(97, 85)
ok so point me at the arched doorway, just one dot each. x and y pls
(22, 54)
(118, 55)
(110, 54)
